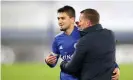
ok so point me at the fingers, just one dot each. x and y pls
(116, 73)
(51, 59)
(115, 77)
(115, 70)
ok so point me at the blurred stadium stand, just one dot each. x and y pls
(28, 28)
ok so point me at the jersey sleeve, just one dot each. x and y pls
(55, 52)
(116, 65)
(55, 48)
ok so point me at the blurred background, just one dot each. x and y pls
(28, 29)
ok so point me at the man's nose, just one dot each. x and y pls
(77, 23)
(60, 21)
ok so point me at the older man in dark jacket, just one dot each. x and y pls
(94, 57)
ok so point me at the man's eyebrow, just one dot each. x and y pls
(60, 17)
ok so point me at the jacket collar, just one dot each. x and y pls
(91, 29)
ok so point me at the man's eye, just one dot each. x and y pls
(62, 18)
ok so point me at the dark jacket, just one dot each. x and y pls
(94, 57)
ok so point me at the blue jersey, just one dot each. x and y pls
(64, 45)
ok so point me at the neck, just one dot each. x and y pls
(69, 30)
(89, 26)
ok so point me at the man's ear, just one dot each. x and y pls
(89, 23)
(73, 19)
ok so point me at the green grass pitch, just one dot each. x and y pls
(43, 72)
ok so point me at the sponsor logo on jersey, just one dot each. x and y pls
(67, 57)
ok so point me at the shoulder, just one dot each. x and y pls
(108, 31)
(59, 35)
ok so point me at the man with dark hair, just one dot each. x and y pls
(69, 11)
(94, 57)
(64, 43)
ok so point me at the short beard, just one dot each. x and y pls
(63, 29)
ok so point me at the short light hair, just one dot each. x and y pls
(92, 15)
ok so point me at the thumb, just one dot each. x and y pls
(115, 70)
